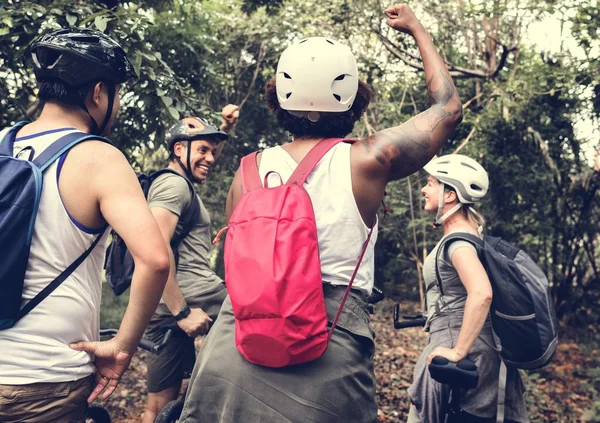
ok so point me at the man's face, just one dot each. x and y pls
(202, 156)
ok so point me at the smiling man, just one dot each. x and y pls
(193, 293)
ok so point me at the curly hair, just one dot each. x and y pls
(331, 125)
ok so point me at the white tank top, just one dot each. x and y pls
(340, 228)
(37, 349)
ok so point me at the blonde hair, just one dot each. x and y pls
(475, 217)
(469, 211)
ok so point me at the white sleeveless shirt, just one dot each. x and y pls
(37, 349)
(340, 229)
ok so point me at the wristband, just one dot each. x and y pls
(183, 313)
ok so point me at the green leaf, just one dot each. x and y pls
(137, 63)
(7, 21)
(173, 111)
(167, 100)
(149, 57)
(4, 31)
(71, 19)
(100, 22)
(151, 74)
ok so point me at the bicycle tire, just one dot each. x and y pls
(97, 414)
(170, 412)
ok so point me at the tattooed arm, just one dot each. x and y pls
(397, 152)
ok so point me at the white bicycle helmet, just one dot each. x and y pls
(316, 75)
(468, 178)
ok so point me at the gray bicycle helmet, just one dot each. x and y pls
(192, 129)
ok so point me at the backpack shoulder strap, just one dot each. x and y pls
(61, 145)
(7, 142)
(43, 294)
(457, 236)
(194, 209)
(249, 171)
(312, 158)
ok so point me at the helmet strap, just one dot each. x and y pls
(111, 99)
(94, 129)
(112, 90)
(188, 169)
(439, 219)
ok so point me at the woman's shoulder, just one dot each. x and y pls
(451, 248)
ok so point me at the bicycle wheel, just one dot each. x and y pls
(97, 414)
(170, 412)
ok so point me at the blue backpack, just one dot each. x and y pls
(20, 192)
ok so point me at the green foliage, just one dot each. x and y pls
(521, 107)
(113, 307)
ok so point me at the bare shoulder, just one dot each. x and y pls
(98, 153)
(100, 168)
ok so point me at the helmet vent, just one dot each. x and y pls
(85, 39)
(337, 97)
(340, 78)
(288, 95)
(468, 165)
(443, 171)
(303, 41)
(286, 75)
(330, 42)
(476, 187)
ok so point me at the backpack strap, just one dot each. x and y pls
(464, 236)
(7, 142)
(194, 210)
(62, 145)
(311, 159)
(347, 292)
(41, 296)
(249, 171)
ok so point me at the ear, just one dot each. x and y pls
(178, 148)
(97, 93)
(450, 197)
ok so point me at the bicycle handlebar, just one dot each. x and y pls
(408, 321)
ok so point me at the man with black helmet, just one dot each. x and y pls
(193, 293)
(52, 364)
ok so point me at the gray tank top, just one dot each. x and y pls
(455, 294)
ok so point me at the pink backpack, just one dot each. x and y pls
(273, 271)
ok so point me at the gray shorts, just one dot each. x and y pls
(167, 369)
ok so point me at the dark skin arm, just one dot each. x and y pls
(397, 152)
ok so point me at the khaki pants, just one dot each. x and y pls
(64, 402)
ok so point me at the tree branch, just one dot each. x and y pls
(455, 71)
(262, 51)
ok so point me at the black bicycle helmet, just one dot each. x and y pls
(79, 56)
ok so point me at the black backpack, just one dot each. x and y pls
(119, 263)
(522, 314)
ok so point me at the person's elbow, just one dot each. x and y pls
(485, 297)
(455, 110)
(155, 263)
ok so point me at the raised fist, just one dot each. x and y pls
(230, 114)
(401, 18)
